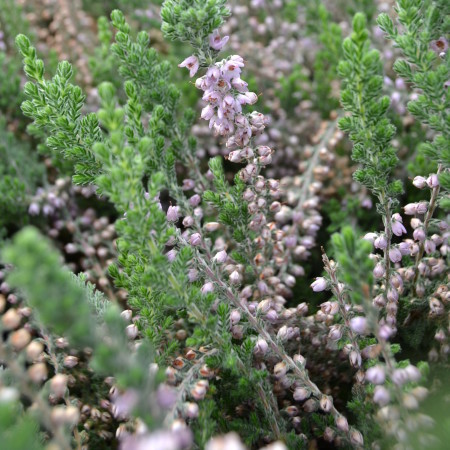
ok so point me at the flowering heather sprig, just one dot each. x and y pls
(226, 95)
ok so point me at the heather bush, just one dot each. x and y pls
(224, 225)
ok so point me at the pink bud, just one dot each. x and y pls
(380, 242)
(358, 324)
(195, 239)
(378, 271)
(173, 213)
(301, 394)
(221, 257)
(419, 234)
(319, 285)
(395, 255)
(235, 277)
(376, 375)
(419, 182)
(207, 287)
(261, 347)
(235, 316)
(381, 396)
(433, 181)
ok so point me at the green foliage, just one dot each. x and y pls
(290, 92)
(421, 23)
(18, 430)
(102, 64)
(11, 21)
(368, 126)
(10, 92)
(326, 61)
(193, 21)
(355, 266)
(56, 106)
(20, 174)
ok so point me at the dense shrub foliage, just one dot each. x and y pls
(224, 224)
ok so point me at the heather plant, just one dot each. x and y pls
(210, 331)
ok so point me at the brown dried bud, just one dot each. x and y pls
(11, 319)
(20, 338)
(58, 385)
(37, 372)
(70, 361)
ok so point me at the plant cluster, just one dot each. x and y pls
(218, 256)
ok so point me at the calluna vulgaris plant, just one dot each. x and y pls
(219, 256)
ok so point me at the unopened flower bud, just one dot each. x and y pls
(419, 182)
(58, 385)
(342, 423)
(188, 221)
(70, 361)
(381, 396)
(11, 319)
(380, 242)
(376, 375)
(212, 226)
(356, 437)
(131, 331)
(20, 339)
(173, 213)
(235, 316)
(37, 372)
(34, 350)
(191, 410)
(358, 324)
(378, 271)
(195, 239)
(127, 314)
(301, 394)
(235, 277)
(280, 370)
(261, 347)
(221, 257)
(433, 181)
(326, 403)
(320, 284)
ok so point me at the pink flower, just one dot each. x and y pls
(239, 85)
(191, 63)
(216, 42)
(207, 112)
(397, 225)
(212, 75)
(231, 69)
(212, 97)
(439, 46)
